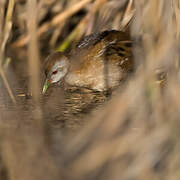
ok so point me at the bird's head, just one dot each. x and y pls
(56, 67)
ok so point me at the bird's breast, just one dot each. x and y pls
(96, 75)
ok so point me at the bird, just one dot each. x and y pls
(100, 61)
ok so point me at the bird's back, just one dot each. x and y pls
(101, 60)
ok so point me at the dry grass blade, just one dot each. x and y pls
(128, 15)
(133, 134)
(55, 21)
(33, 53)
(4, 37)
(7, 85)
(176, 5)
(33, 57)
(81, 28)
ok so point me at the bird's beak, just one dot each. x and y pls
(46, 85)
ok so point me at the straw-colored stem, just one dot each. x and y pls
(55, 21)
(7, 85)
(6, 31)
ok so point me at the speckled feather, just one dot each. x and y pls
(99, 61)
(100, 58)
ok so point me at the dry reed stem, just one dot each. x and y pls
(75, 34)
(25, 158)
(7, 85)
(33, 53)
(128, 15)
(55, 21)
(56, 34)
(4, 37)
(80, 28)
(33, 57)
(136, 136)
(176, 6)
(138, 126)
(97, 4)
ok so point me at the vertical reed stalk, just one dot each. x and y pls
(33, 55)
(5, 31)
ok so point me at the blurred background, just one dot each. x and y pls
(132, 134)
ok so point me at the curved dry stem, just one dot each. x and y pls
(55, 21)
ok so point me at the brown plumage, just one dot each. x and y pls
(99, 62)
(96, 65)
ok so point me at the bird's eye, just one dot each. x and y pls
(54, 72)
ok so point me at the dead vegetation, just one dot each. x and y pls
(134, 136)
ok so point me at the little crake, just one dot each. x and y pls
(99, 62)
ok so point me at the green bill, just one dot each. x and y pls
(45, 87)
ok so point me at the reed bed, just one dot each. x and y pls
(135, 135)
